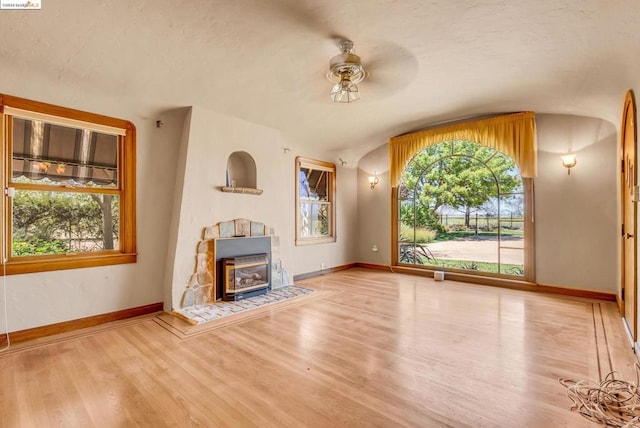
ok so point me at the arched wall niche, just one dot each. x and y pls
(241, 174)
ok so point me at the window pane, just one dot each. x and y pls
(314, 220)
(512, 260)
(45, 153)
(466, 212)
(315, 204)
(314, 184)
(407, 211)
(58, 223)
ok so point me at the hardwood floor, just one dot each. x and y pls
(374, 349)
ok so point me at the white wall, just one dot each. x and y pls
(576, 216)
(208, 140)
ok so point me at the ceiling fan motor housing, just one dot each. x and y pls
(347, 64)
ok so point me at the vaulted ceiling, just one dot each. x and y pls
(266, 61)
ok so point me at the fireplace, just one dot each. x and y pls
(232, 240)
(245, 276)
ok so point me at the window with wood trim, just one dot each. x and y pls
(465, 208)
(315, 201)
(69, 180)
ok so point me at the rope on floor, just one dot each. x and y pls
(613, 402)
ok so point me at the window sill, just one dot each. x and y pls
(312, 241)
(37, 264)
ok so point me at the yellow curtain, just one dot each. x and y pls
(511, 134)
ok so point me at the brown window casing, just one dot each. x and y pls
(125, 190)
(328, 181)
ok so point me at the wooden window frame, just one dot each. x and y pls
(303, 162)
(126, 190)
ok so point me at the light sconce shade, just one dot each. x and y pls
(568, 161)
(373, 180)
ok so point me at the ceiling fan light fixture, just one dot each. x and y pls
(346, 70)
(345, 91)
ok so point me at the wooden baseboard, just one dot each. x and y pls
(308, 275)
(576, 292)
(63, 327)
(500, 282)
(385, 268)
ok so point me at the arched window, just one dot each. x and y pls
(461, 207)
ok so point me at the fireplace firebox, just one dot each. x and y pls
(245, 276)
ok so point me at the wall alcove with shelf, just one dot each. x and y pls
(241, 174)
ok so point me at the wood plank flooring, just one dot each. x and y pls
(375, 349)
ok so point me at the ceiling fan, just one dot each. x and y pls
(346, 71)
(390, 68)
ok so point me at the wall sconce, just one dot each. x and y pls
(373, 180)
(568, 161)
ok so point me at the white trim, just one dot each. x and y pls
(64, 121)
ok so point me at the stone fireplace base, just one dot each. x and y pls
(203, 285)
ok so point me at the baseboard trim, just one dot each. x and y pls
(577, 292)
(308, 275)
(500, 282)
(385, 268)
(66, 326)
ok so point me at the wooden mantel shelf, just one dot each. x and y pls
(246, 190)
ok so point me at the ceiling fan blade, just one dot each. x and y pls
(390, 68)
(297, 13)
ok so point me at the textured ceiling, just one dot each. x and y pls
(265, 61)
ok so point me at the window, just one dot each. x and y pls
(315, 201)
(461, 207)
(71, 181)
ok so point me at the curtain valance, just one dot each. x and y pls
(511, 134)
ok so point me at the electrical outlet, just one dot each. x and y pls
(323, 266)
(374, 248)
